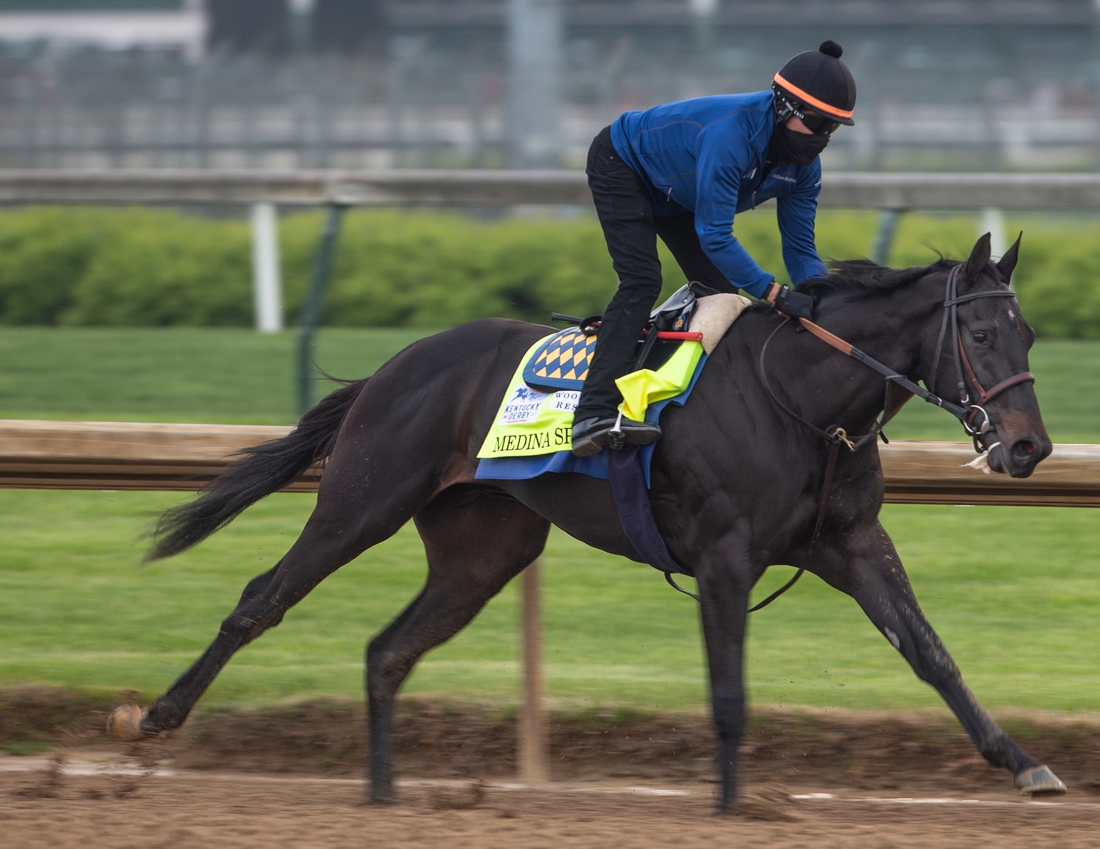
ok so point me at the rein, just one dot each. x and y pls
(965, 411)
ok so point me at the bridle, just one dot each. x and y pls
(969, 411)
(965, 411)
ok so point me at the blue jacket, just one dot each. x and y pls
(705, 156)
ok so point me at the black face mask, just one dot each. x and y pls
(788, 147)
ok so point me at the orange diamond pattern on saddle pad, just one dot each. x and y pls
(562, 362)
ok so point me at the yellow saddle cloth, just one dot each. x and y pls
(532, 422)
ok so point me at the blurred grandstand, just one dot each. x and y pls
(944, 84)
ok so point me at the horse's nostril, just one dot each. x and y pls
(1025, 447)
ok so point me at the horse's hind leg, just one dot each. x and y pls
(476, 540)
(348, 519)
(867, 567)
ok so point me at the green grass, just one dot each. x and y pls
(1012, 591)
(225, 376)
(236, 376)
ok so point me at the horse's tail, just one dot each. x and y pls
(261, 470)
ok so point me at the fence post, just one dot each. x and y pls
(266, 283)
(884, 236)
(534, 742)
(311, 309)
(992, 221)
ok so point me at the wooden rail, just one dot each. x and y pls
(934, 473)
(140, 456)
(125, 455)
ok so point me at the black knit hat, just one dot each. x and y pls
(820, 81)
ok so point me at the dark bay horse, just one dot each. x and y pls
(735, 488)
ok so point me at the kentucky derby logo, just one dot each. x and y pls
(523, 406)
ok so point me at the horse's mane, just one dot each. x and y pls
(855, 278)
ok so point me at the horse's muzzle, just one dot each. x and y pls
(1019, 457)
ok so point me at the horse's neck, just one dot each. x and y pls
(831, 389)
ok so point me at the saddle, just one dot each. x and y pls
(562, 361)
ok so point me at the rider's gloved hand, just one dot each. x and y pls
(790, 302)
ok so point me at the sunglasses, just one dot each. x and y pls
(817, 124)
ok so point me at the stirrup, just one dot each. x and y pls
(616, 439)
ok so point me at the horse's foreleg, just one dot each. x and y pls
(724, 597)
(476, 542)
(867, 567)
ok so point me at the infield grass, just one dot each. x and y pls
(1012, 591)
(232, 376)
(175, 374)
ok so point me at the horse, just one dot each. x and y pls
(736, 486)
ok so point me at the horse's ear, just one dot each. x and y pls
(979, 257)
(1007, 264)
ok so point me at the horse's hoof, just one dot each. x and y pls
(1039, 781)
(124, 724)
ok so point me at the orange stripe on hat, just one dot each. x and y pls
(810, 100)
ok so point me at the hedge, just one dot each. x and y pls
(141, 267)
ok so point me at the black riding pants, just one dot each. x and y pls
(625, 209)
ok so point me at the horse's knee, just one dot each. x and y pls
(245, 625)
(252, 616)
(258, 584)
(933, 665)
(385, 670)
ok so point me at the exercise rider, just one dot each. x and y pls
(682, 171)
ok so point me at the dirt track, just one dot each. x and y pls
(204, 811)
(290, 778)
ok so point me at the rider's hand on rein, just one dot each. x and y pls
(790, 302)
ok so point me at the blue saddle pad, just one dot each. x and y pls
(561, 362)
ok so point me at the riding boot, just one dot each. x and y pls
(596, 422)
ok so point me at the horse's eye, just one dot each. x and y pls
(979, 336)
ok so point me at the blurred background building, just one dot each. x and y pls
(943, 84)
